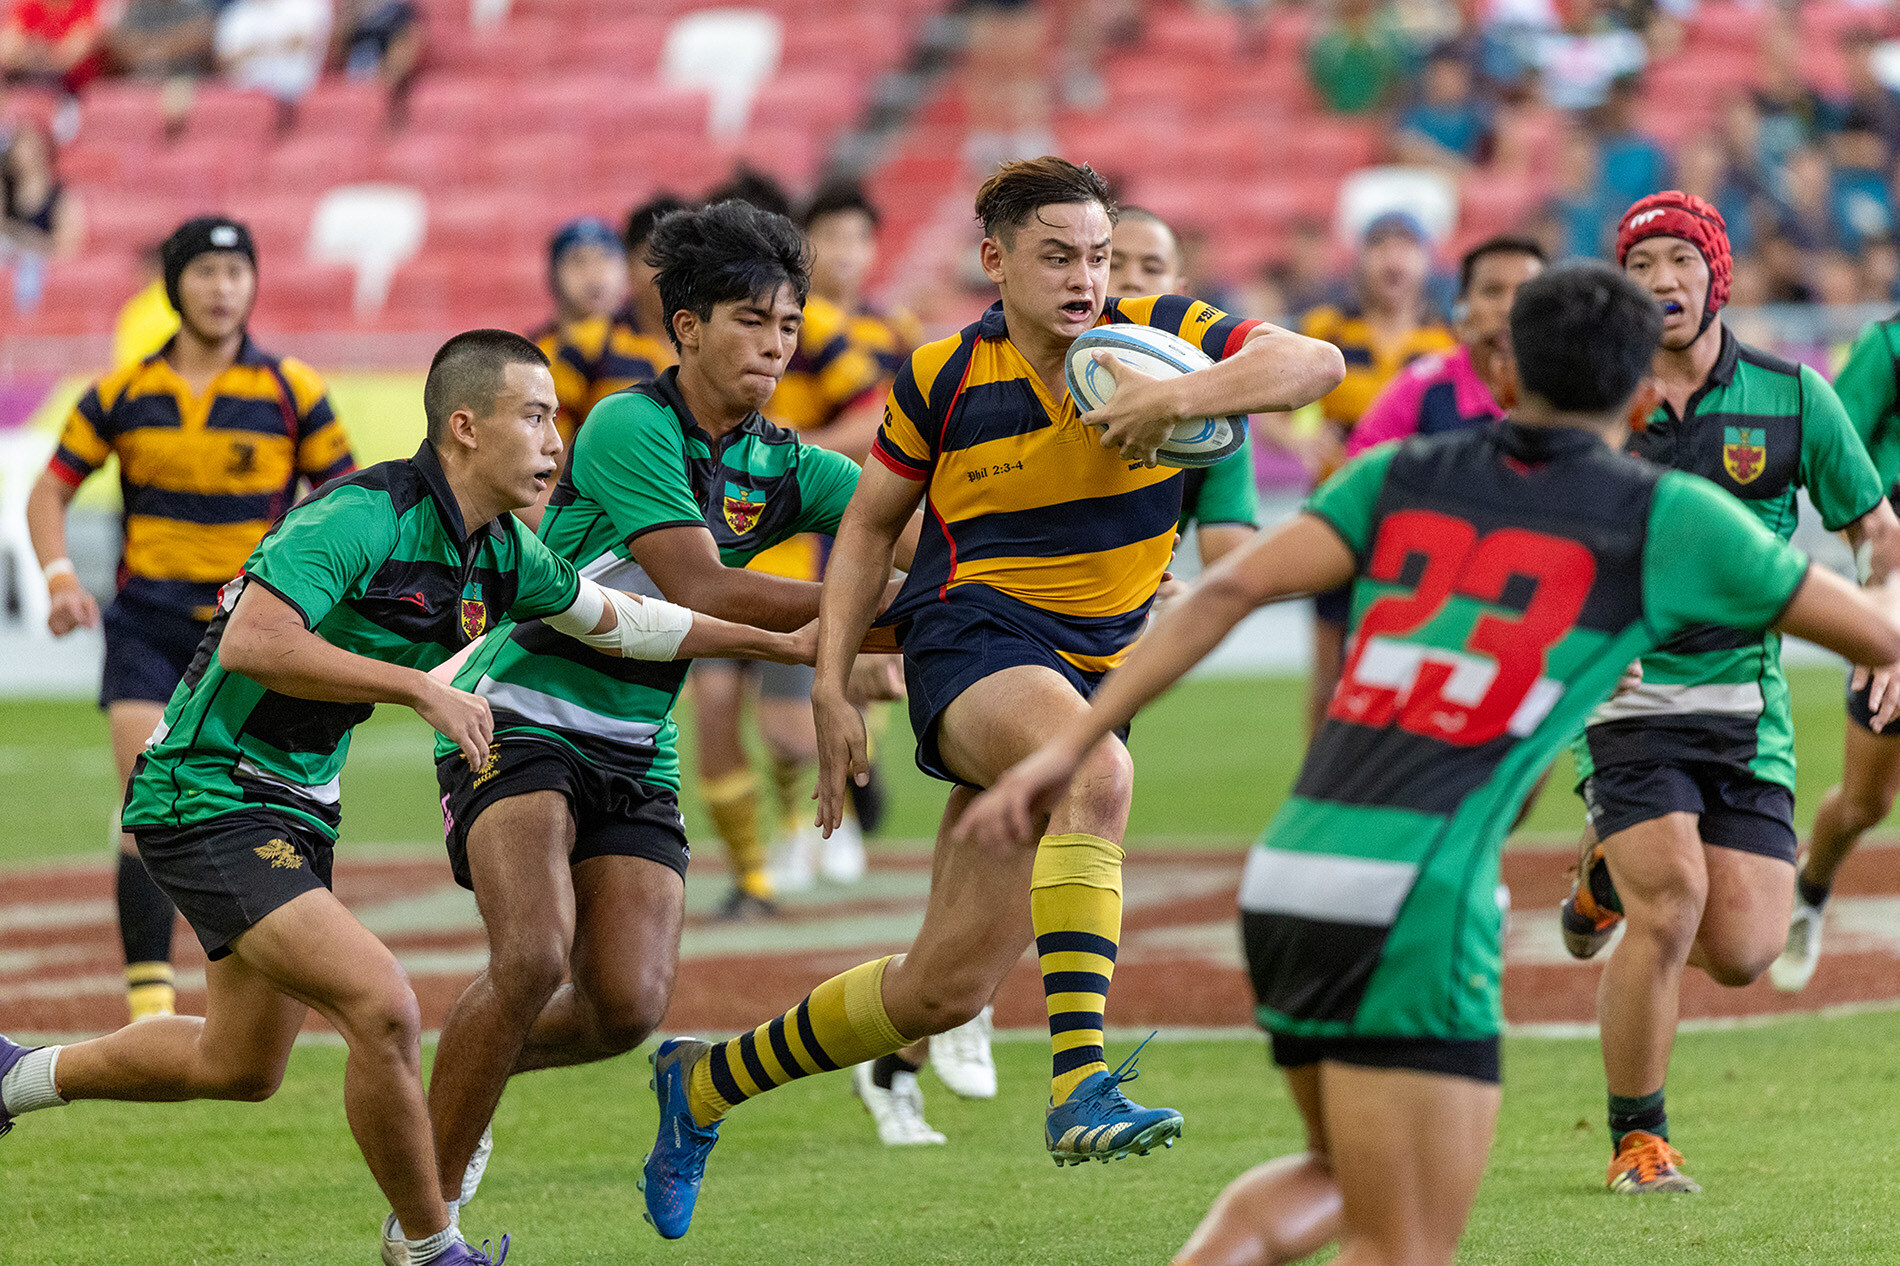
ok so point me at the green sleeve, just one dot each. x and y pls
(826, 481)
(1708, 560)
(325, 549)
(1347, 500)
(1866, 391)
(545, 583)
(630, 459)
(1228, 494)
(1835, 469)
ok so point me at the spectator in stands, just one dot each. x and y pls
(164, 39)
(1357, 62)
(275, 46)
(1807, 197)
(1592, 51)
(40, 218)
(1582, 217)
(1868, 99)
(1448, 126)
(1792, 113)
(1631, 165)
(1785, 268)
(1880, 271)
(382, 39)
(55, 42)
(1863, 204)
(1703, 171)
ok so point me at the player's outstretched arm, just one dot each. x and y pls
(880, 513)
(685, 564)
(633, 626)
(1302, 556)
(265, 640)
(1830, 612)
(1275, 371)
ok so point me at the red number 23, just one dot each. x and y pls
(1457, 561)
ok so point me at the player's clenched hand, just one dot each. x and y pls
(842, 755)
(1029, 790)
(460, 717)
(1139, 416)
(1883, 693)
(72, 607)
(875, 678)
(1632, 677)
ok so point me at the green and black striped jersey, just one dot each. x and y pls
(643, 463)
(1759, 429)
(1867, 388)
(1505, 578)
(379, 564)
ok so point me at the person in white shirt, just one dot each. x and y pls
(274, 46)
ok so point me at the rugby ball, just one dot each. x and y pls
(1159, 354)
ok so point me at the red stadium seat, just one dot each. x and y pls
(122, 112)
(431, 161)
(117, 222)
(342, 107)
(306, 162)
(232, 116)
(296, 295)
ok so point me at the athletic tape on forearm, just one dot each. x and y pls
(579, 620)
(648, 628)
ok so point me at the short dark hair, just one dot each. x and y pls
(749, 184)
(1020, 189)
(1503, 244)
(730, 250)
(468, 372)
(1584, 336)
(835, 196)
(641, 219)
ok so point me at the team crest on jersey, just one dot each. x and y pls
(1744, 452)
(743, 508)
(474, 612)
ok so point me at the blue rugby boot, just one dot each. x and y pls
(11, 1053)
(1099, 1123)
(671, 1174)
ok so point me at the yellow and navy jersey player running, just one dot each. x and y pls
(202, 475)
(1027, 516)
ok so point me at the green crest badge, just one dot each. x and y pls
(743, 507)
(474, 612)
(1744, 452)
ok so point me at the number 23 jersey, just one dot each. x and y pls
(1504, 579)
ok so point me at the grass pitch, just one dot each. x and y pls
(1788, 1126)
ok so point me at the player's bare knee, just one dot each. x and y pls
(1865, 808)
(631, 1015)
(1105, 785)
(385, 1016)
(948, 1003)
(525, 972)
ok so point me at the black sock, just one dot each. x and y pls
(1812, 893)
(1644, 1112)
(885, 1067)
(145, 914)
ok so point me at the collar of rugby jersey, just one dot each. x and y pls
(428, 464)
(667, 387)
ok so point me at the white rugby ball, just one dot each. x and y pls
(1159, 354)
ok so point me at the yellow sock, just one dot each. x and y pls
(841, 1023)
(789, 785)
(1075, 902)
(733, 801)
(149, 991)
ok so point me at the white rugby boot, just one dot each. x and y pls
(899, 1111)
(1791, 972)
(841, 857)
(962, 1058)
(794, 863)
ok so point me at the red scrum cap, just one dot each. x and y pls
(1675, 214)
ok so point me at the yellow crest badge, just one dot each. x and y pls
(743, 507)
(474, 612)
(280, 855)
(1744, 452)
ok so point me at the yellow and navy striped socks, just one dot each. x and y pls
(733, 801)
(841, 1023)
(1075, 902)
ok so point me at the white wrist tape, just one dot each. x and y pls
(57, 568)
(645, 628)
(579, 620)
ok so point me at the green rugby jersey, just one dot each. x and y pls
(1223, 493)
(642, 463)
(1758, 429)
(1505, 578)
(379, 564)
(1866, 386)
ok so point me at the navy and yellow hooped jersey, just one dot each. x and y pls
(830, 371)
(202, 476)
(890, 337)
(594, 358)
(1023, 499)
(1370, 362)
